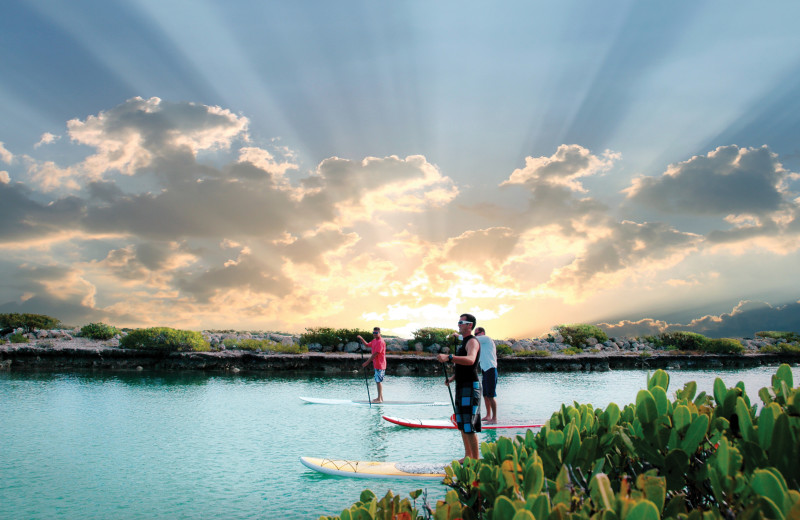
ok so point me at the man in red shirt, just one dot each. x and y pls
(378, 358)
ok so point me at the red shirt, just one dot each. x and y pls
(378, 347)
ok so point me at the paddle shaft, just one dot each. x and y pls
(366, 381)
(449, 390)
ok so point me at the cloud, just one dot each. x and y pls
(563, 168)
(627, 249)
(4, 177)
(5, 155)
(47, 138)
(140, 131)
(728, 181)
(746, 318)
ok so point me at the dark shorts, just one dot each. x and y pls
(468, 407)
(490, 382)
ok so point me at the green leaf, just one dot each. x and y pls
(784, 373)
(662, 401)
(720, 392)
(676, 466)
(766, 424)
(767, 484)
(534, 479)
(601, 492)
(660, 379)
(643, 510)
(646, 410)
(610, 416)
(541, 507)
(695, 434)
(688, 392)
(504, 507)
(681, 417)
(655, 490)
(745, 421)
(562, 479)
(523, 515)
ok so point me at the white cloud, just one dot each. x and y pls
(47, 138)
(4, 177)
(563, 168)
(5, 155)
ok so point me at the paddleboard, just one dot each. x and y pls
(378, 470)
(450, 424)
(321, 400)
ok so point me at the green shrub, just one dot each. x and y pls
(430, 335)
(28, 322)
(695, 457)
(330, 336)
(99, 331)
(504, 349)
(165, 338)
(18, 338)
(781, 348)
(785, 336)
(577, 334)
(571, 351)
(269, 345)
(534, 353)
(684, 340)
(724, 346)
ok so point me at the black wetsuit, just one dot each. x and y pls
(468, 392)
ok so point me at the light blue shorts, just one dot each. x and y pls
(379, 374)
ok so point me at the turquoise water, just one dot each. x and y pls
(152, 445)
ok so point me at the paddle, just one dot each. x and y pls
(449, 390)
(366, 381)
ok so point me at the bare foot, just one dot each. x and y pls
(377, 400)
(491, 421)
(484, 419)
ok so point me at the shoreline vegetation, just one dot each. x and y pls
(36, 341)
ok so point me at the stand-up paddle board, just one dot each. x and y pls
(450, 424)
(321, 400)
(367, 469)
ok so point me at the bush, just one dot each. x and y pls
(165, 338)
(330, 336)
(28, 322)
(534, 353)
(18, 338)
(684, 340)
(785, 336)
(781, 348)
(578, 334)
(99, 331)
(264, 345)
(724, 346)
(698, 457)
(504, 349)
(430, 335)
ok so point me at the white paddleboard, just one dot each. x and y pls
(377, 470)
(322, 400)
(450, 424)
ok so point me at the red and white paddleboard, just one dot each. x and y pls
(450, 424)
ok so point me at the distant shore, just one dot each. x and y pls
(48, 354)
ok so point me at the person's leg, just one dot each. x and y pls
(379, 383)
(380, 393)
(471, 448)
(491, 410)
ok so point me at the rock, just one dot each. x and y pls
(314, 347)
(591, 341)
(418, 346)
(352, 346)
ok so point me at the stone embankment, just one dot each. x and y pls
(65, 350)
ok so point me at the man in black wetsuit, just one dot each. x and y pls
(468, 386)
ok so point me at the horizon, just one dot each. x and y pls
(278, 166)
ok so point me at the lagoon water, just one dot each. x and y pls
(139, 445)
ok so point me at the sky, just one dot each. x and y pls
(284, 165)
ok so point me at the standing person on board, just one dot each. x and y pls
(378, 359)
(468, 386)
(489, 369)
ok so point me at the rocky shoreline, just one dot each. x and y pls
(60, 350)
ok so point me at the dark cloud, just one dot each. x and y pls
(744, 320)
(476, 248)
(248, 273)
(23, 218)
(729, 180)
(629, 245)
